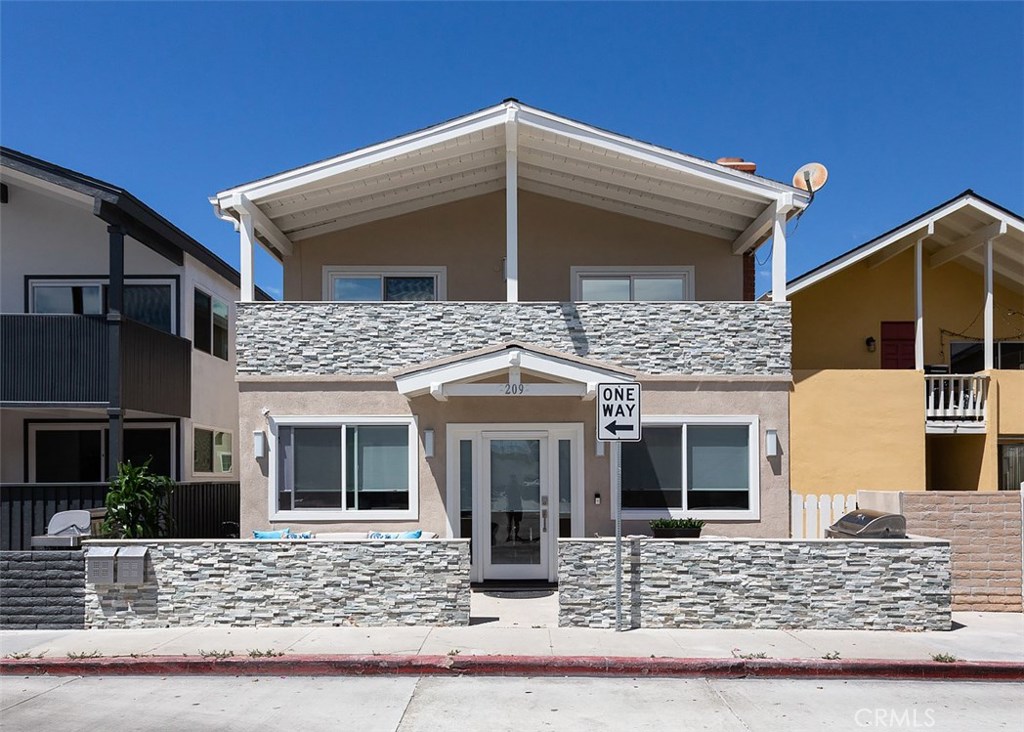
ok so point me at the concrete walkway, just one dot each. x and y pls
(980, 637)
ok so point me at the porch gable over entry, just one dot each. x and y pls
(460, 376)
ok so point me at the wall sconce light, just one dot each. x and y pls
(259, 444)
(428, 443)
(771, 443)
(869, 343)
(597, 499)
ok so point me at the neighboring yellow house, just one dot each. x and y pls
(908, 358)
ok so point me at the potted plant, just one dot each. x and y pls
(138, 504)
(686, 528)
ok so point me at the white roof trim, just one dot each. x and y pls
(918, 224)
(434, 379)
(492, 117)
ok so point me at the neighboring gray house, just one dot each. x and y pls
(117, 335)
(452, 298)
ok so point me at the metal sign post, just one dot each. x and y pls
(618, 420)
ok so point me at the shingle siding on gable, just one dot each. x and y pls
(688, 338)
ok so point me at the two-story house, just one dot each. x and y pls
(117, 336)
(452, 298)
(908, 358)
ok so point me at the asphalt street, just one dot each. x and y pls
(390, 704)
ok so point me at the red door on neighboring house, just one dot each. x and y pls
(898, 345)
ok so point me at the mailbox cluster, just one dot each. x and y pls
(111, 565)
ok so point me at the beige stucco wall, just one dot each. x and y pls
(767, 399)
(832, 318)
(1009, 386)
(857, 430)
(468, 237)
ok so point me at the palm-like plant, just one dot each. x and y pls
(138, 504)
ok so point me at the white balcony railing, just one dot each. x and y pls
(955, 398)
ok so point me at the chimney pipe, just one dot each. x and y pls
(744, 166)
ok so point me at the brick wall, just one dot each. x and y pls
(42, 589)
(984, 530)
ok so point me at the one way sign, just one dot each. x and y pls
(618, 412)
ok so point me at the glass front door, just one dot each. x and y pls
(517, 497)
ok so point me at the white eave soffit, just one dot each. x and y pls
(692, 171)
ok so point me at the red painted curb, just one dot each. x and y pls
(457, 665)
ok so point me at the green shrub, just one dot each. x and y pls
(138, 504)
(686, 523)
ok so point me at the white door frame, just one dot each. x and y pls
(475, 433)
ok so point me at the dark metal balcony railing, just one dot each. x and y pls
(64, 359)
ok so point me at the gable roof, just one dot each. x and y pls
(466, 156)
(115, 205)
(953, 231)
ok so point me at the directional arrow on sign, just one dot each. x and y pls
(615, 428)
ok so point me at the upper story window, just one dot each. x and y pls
(624, 284)
(210, 324)
(377, 284)
(968, 357)
(149, 301)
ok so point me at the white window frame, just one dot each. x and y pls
(192, 313)
(348, 420)
(750, 421)
(101, 427)
(101, 282)
(578, 274)
(192, 455)
(330, 272)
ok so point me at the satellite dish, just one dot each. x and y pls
(811, 178)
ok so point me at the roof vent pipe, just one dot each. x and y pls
(744, 166)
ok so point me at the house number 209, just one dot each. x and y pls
(514, 389)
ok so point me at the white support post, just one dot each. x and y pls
(511, 207)
(989, 328)
(247, 252)
(779, 255)
(918, 306)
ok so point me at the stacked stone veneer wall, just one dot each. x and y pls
(703, 338)
(42, 589)
(984, 530)
(877, 585)
(290, 583)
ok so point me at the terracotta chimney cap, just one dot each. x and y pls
(740, 164)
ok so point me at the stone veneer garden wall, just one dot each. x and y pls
(42, 589)
(289, 583)
(750, 583)
(701, 338)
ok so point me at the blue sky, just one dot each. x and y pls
(907, 104)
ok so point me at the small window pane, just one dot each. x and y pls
(652, 473)
(466, 488)
(152, 444)
(201, 316)
(1011, 466)
(222, 452)
(316, 465)
(718, 467)
(409, 288)
(660, 289)
(377, 467)
(355, 289)
(69, 299)
(72, 456)
(202, 451)
(604, 289)
(149, 304)
(1011, 355)
(220, 329)
(565, 488)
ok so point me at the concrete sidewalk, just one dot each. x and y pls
(978, 637)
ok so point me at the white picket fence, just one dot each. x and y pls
(811, 515)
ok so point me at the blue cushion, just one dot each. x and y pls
(300, 535)
(411, 534)
(280, 534)
(384, 535)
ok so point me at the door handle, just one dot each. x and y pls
(544, 519)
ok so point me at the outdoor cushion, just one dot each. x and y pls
(278, 534)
